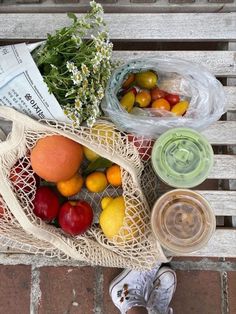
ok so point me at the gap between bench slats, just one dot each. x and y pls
(153, 27)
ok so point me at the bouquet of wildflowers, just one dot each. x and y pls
(76, 65)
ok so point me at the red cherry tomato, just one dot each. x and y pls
(46, 203)
(157, 93)
(75, 217)
(172, 99)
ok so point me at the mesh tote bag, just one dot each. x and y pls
(133, 247)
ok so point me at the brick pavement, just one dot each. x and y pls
(205, 286)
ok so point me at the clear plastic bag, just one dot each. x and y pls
(190, 80)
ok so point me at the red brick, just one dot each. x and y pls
(109, 274)
(232, 291)
(61, 286)
(15, 289)
(197, 292)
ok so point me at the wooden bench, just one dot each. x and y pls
(205, 38)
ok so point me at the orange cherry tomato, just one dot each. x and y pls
(130, 79)
(143, 98)
(180, 108)
(161, 104)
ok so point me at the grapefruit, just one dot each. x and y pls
(56, 158)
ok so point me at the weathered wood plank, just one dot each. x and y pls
(112, 6)
(221, 133)
(230, 92)
(222, 202)
(220, 63)
(183, 27)
(222, 244)
(224, 167)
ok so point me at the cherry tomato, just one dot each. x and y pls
(46, 203)
(130, 79)
(172, 99)
(161, 104)
(75, 217)
(180, 108)
(157, 93)
(146, 79)
(143, 98)
(127, 101)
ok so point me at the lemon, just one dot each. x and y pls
(118, 223)
(105, 201)
(104, 133)
(112, 217)
(96, 182)
(90, 154)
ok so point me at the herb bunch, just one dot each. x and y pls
(76, 65)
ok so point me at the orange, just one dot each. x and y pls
(114, 175)
(56, 158)
(70, 187)
(161, 103)
(96, 182)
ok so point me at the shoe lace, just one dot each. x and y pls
(163, 297)
(144, 284)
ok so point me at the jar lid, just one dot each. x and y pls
(183, 221)
(182, 157)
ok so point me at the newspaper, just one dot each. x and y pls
(22, 86)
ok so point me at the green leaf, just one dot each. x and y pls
(99, 163)
(72, 16)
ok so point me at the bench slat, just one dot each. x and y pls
(222, 244)
(221, 63)
(221, 133)
(181, 26)
(224, 167)
(222, 202)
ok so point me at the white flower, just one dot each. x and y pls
(85, 70)
(78, 103)
(77, 78)
(100, 93)
(97, 8)
(70, 66)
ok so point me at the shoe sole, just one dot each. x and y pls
(118, 279)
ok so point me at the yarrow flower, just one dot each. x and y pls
(79, 68)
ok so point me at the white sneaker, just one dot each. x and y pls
(163, 291)
(132, 288)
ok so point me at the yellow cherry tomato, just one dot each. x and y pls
(127, 101)
(143, 98)
(146, 79)
(180, 108)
